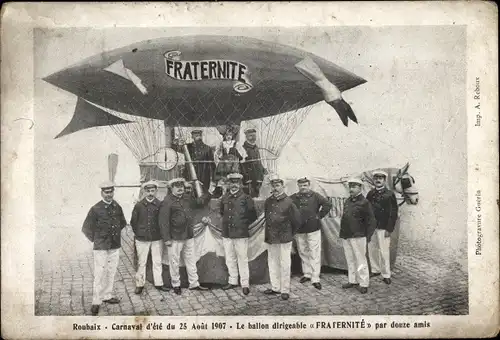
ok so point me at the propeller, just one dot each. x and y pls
(112, 166)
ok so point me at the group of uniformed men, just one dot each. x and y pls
(365, 220)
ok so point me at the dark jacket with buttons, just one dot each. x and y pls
(358, 219)
(177, 214)
(238, 212)
(313, 207)
(144, 220)
(252, 168)
(202, 156)
(103, 225)
(282, 219)
(385, 208)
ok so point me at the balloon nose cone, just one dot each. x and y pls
(55, 78)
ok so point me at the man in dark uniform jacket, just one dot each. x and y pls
(282, 220)
(146, 229)
(202, 156)
(252, 168)
(313, 207)
(103, 226)
(176, 225)
(356, 228)
(238, 212)
(385, 208)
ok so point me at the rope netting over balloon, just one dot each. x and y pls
(148, 139)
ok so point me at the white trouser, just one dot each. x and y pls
(105, 265)
(357, 265)
(142, 258)
(236, 253)
(186, 249)
(309, 247)
(279, 266)
(378, 250)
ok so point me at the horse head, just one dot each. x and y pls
(404, 184)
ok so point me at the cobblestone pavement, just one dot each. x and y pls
(423, 283)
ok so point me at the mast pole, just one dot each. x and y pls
(169, 138)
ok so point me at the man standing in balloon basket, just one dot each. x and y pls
(202, 157)
(356, 228)
(252, 168)
(313, 207)
(385, 208)
(238, 212)
(144, 223)
(176, 225)
(103, 226)
(282, 220)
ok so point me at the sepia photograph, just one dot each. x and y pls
(180, 171)
(267, 171)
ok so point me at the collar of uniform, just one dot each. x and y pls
(357, 197)
(145, 201)
(106, 203)
(236, 194)
(280, 197)
(178, 198)
(199, 144)
(305, 194)
(249, 145)
(381, 190)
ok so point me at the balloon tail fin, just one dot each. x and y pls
(344, 110)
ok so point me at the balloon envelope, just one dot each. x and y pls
(134, 79)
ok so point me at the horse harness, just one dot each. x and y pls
(405, 184)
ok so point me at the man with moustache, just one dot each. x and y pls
(238, 212)
(282, 220)
(356, 228)
(202, 157)
(252, 168)
(103, 226)
(313, 207)
(144, 223)
(176, 225)
(385, 208)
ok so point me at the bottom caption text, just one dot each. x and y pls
(198, 326)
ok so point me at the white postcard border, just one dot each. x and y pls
(18, 218)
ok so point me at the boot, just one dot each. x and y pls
(229, 286)
(304, 279)
(162, 288)
(95, 309)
